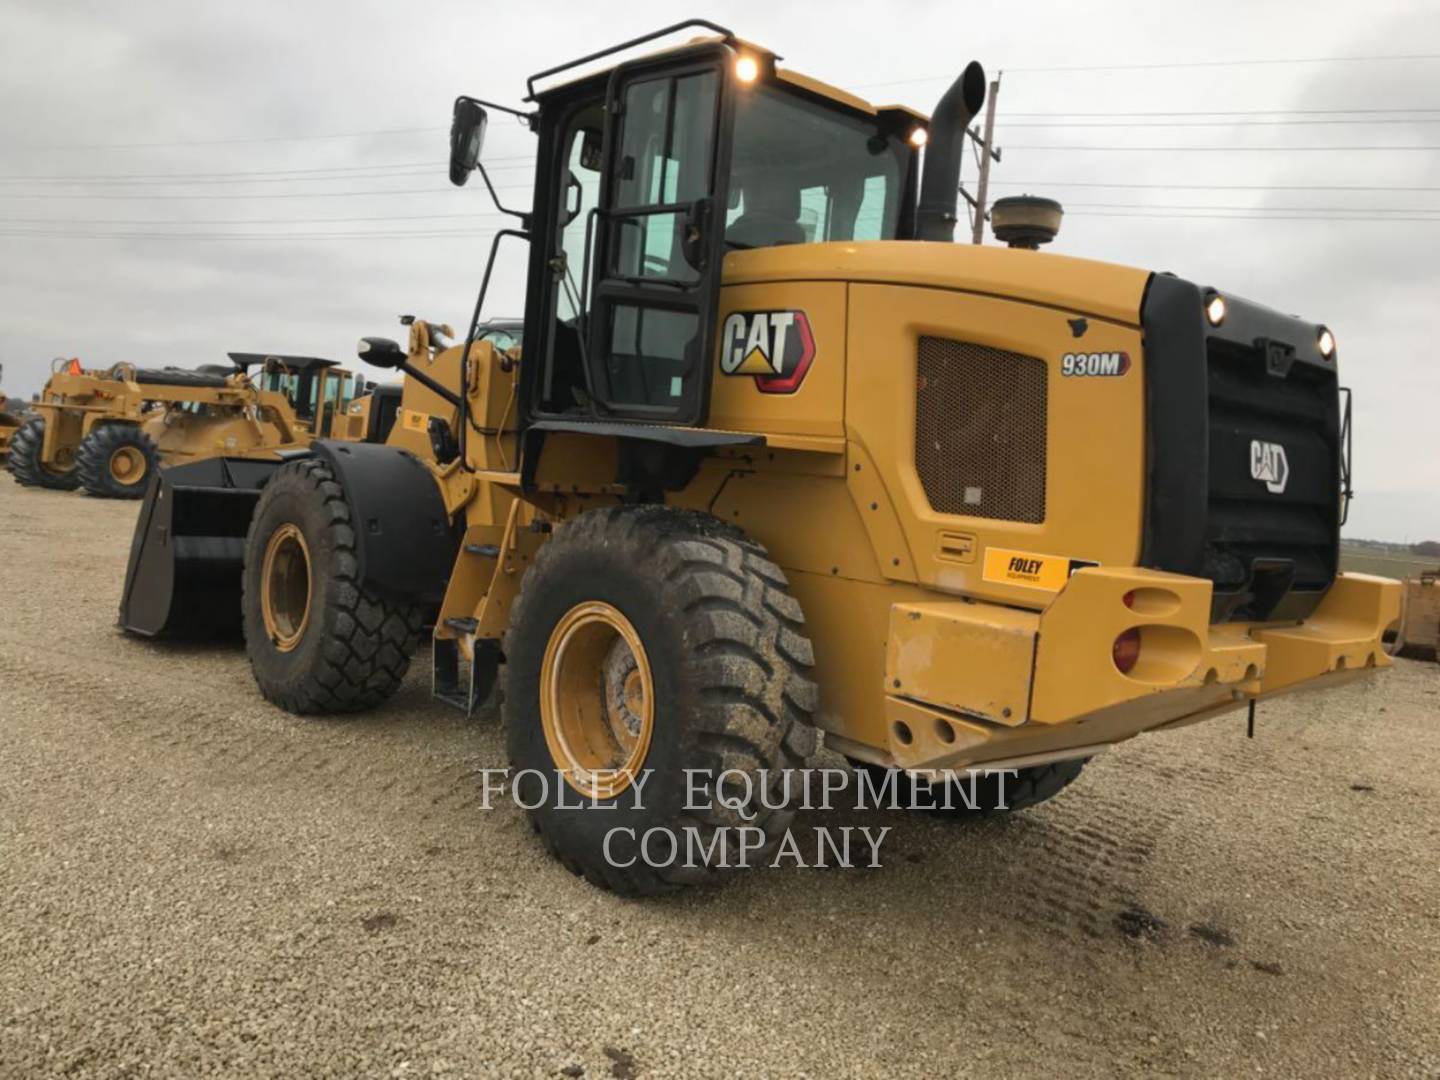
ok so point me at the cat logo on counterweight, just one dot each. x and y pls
(775, 347)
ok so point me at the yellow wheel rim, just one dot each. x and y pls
(597, 699)
(285, 587)
(128, 465)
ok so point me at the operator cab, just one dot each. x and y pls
(317, 389)
(648, 176)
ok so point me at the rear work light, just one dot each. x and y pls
(1126, 651)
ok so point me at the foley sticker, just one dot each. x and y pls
(1029, 570)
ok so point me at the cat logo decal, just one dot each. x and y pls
(776, 348)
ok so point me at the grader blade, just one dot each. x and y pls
(188, 553)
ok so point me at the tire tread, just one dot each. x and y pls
(753, 663)
(370, 639)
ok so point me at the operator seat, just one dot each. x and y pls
(771, 217)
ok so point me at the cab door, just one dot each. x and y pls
(660, 238)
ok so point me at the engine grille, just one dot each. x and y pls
(1244, 453)
(1249, 528)
(980, 430)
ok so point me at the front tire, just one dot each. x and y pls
(657, 641)
(318, 639)
(25, 462)
(116, 461)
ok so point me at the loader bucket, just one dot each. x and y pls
(188, 554)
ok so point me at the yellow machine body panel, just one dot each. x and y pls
(1019, 661)
(943, 635)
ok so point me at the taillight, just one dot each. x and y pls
(1126, 651)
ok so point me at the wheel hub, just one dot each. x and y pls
(285, 587)
(597, 699)
(128, 465)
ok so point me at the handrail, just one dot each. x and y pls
(727, 34)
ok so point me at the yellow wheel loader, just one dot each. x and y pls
(183, 577)
(108, 431)
(780, 460)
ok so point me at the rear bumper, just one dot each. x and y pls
(971, 684)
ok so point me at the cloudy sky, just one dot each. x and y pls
(314, 206)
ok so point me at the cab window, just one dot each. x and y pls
(664, 167)
(802, 173)
(563, 387)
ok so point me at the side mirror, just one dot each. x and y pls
(574, 197)
(467, 136)
(382, 352)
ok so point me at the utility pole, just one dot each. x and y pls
(987, 154)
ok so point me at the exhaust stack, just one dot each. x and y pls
(940, 185)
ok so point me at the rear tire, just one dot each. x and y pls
(116, 461)
(726, 686)
(319, 641)
(25, 464)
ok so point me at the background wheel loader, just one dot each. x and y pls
(108, 431)
(780, 459)
(1418, 635)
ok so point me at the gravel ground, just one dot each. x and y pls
(193, 882)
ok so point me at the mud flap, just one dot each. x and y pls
(187, 558)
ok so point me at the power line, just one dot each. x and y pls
(1240, 112)
(243, 221)
(1247, 217)
(397, 174)
(198, 177)
(1173, 65)
(211, 222)
(233, 140)
(1220, 149)
(1252, 62)
(1369, 122)
(249, 176)
(254, 195)
(1213, 187)
(1434, 210)
(459, 234)
(57, 234)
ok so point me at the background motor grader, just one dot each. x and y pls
(779, 458)
(9, 424)
(10, 421)
(107, 431)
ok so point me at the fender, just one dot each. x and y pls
(403, 536)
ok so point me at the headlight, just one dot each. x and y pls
(746, 69)
(1215, 309)
(1326, 341)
